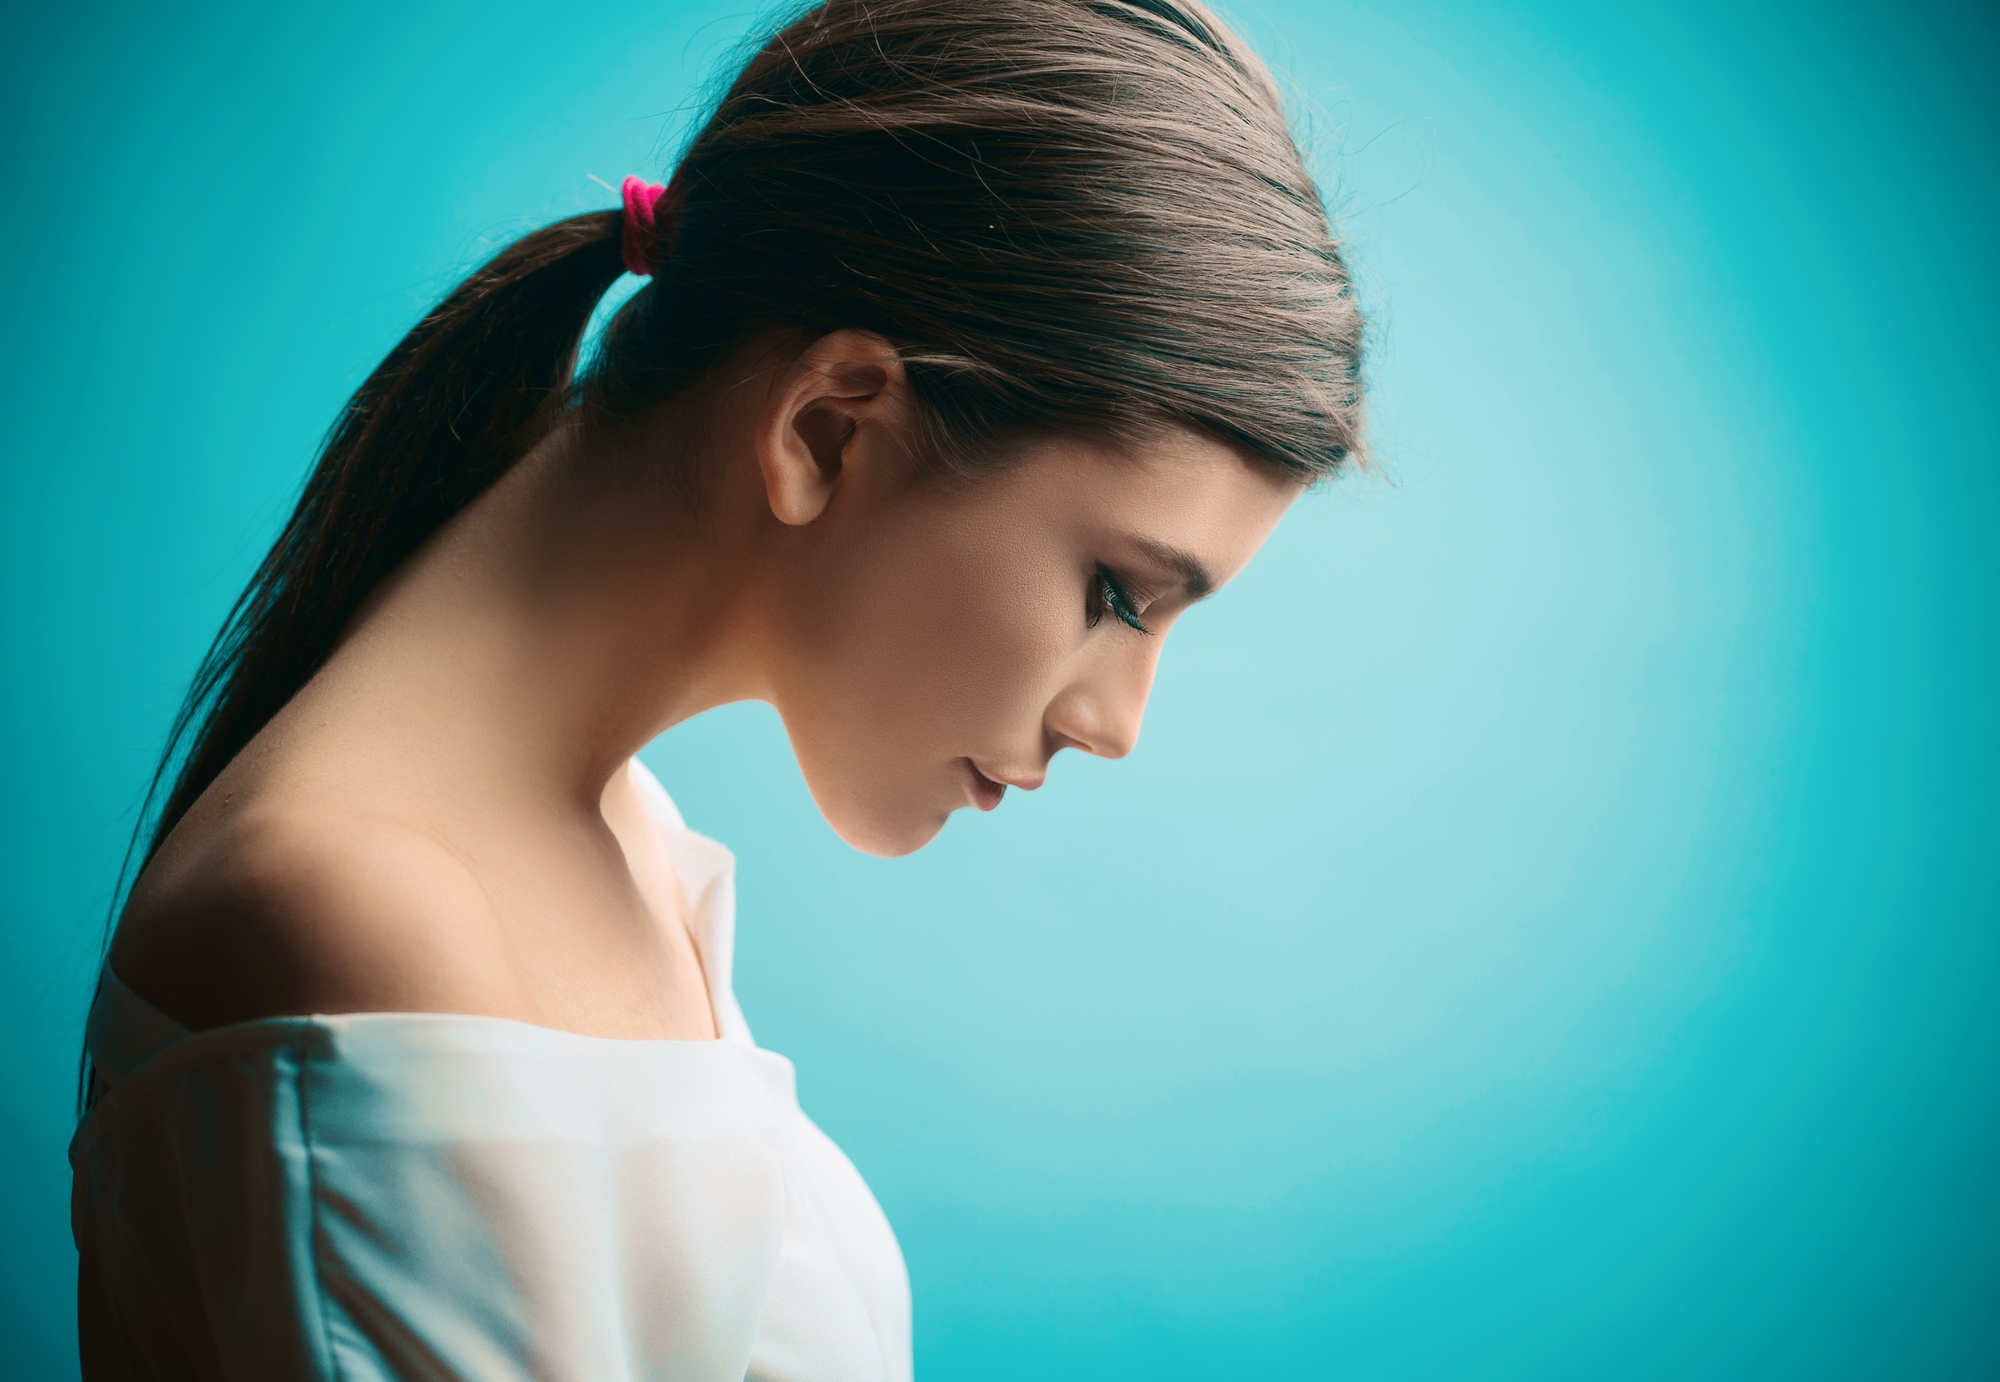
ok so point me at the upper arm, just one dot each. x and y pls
(292, 913)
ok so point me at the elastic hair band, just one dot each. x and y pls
(639, 238)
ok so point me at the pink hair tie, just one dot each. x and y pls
(640, 236)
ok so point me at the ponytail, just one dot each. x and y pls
(458, 401)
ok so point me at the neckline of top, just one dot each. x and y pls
(135, 1047)
(126, 1033)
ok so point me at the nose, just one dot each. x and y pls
(1101, 711)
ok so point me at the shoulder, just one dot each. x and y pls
(282, 911)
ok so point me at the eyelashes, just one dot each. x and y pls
(1107, 594)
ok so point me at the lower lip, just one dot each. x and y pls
(986, 793)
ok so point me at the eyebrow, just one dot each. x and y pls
(1194, 576)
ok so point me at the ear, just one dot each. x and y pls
(844, 400)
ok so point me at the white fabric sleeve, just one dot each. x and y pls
(429, 1201)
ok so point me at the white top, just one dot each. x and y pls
(431, 1196)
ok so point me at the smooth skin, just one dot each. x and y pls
(443, 821)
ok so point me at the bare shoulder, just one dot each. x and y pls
(283, 911)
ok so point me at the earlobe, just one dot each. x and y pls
(841, 383)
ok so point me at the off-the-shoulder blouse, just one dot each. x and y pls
(428, 1196)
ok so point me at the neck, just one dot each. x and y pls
(569, 615)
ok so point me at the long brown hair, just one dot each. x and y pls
(1082, 214)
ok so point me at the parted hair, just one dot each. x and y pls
(1064, 214)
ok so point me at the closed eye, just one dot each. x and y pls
(1108, 592)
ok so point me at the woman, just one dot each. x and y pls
(983, 337)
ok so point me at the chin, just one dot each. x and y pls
(884, 834)
(887, 840)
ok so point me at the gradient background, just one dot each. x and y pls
(1549, 929)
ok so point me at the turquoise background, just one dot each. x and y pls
(1549, 928)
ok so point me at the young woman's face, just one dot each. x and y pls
(942, 642)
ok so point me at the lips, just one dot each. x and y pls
(986, 793)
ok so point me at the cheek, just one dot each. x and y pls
(939, 645)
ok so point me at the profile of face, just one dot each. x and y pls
(935, 641)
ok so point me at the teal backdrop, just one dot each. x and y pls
(1551, 928)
